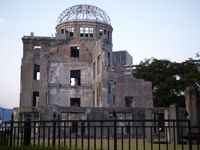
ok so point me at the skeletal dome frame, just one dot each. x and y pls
(84, 13)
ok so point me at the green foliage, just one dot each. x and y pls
(169, 79)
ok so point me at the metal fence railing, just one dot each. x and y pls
(102, 134)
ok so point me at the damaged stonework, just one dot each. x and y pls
(135, 93)
(78, 68)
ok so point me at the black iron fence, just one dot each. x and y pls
(103, 134)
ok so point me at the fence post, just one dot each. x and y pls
(27, 132)
(11, 129)
(115, 130)
(54, 130)
(189, 135)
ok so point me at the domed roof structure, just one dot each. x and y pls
(84, 13)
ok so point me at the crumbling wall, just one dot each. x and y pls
(59, 72)
(128, 87)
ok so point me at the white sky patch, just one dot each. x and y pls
(3, 23)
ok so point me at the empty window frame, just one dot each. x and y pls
(129, 101)
(35, 98)
(37, 51)
(82, 30)
(108, 35)
(62, 30)
(75, 77)
(36, 75)
(86, 32)
(75, 102)
(105, 32)
(74, 51)
(100, 32)
(91, 32)
(70, 30)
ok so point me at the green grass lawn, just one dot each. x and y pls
(83, 144)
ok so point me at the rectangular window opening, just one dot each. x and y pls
(75, 77)
(37, 51)
(82, 31)
(86, 34)
(36, 75)
(37, 47)
(74, 51)
(129, 101)
(75, 102)
(71, 34)
(70, 30)
(62, 30)
(86, 30)
(100, 32)
(35, 98)
(91, 32)
(105, 32)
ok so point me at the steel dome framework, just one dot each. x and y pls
(84, 13)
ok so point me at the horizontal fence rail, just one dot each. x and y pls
(102, 134)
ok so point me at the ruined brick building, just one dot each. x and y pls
(78, 68)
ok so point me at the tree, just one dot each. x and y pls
(169, 79)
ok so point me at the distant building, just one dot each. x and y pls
(122, 58)
(77, 68)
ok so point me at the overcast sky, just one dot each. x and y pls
(164, 29)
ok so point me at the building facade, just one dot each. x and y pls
(122, 58)
(78, 68)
